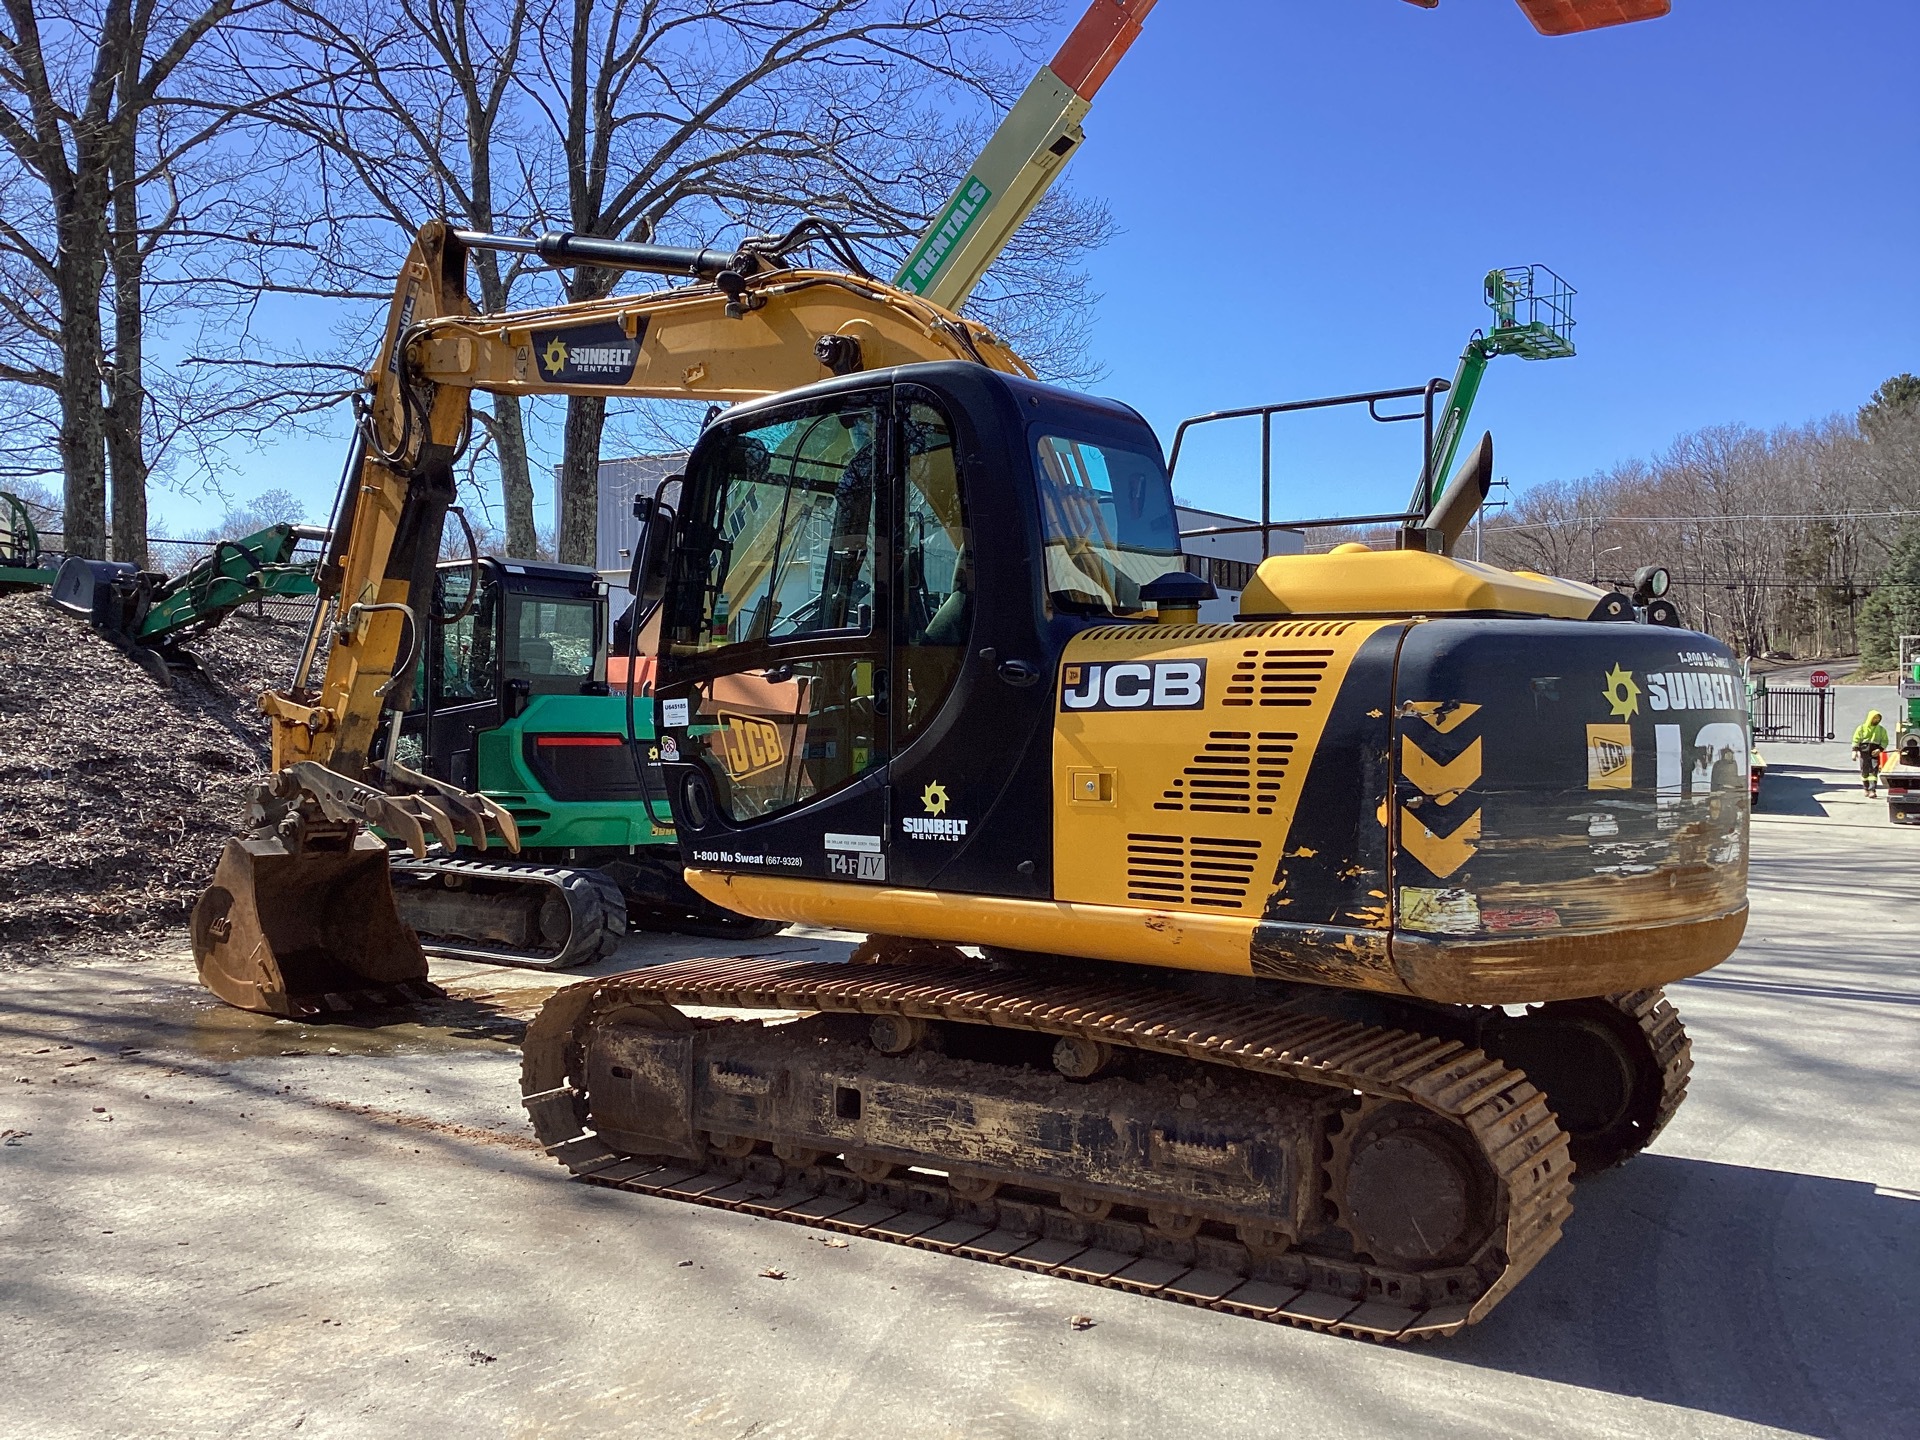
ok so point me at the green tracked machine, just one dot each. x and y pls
(23, 565)
(511, 700)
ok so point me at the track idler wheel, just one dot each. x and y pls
(1610, 1082)
(305, 934)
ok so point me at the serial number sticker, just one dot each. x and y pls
(862, 844)
(673, 712)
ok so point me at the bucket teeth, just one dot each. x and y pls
(424, 805)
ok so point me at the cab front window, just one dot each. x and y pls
(1106, 511)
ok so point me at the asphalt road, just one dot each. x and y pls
(214, 1224)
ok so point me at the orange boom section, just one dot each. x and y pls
(1568, 17)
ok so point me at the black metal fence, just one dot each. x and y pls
(1792, 712)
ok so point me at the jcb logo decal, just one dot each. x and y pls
(1609, 757)
(749, 745)
(1135, 685)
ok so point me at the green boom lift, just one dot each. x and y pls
(1532, 318)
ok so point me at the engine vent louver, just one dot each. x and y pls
(1201, 870)
(1238, 773)
(1277, 677)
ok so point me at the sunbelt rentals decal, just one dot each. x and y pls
(934, 823)
(602, 354)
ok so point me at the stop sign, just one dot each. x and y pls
(1819, 679)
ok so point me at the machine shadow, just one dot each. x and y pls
(1781, 1299)
(1788, 792)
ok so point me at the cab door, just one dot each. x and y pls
(463, 674)
(775, 727)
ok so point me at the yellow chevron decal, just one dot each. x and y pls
(1443, 782)
(1445, 716)
(1441, 854)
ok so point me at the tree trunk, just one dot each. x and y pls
(82, 410)
(516, 479)
(126, 380)
(579, 525)
(509, 422)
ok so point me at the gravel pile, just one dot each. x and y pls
(116, 793)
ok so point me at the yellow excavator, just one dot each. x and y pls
(1288, 966)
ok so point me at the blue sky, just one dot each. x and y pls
(1310, 191)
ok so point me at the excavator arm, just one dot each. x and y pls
(748, 327)
(300, 916)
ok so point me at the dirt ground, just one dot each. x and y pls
(216, 1224)
(116, 792)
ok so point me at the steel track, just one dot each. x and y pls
(1492, 1109)
(1672, 1053)
(596, 910)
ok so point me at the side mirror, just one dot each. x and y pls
(647, 580)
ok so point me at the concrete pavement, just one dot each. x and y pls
(214, 1224)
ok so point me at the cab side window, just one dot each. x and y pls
(794, 515)
(463, 670)
(936, 589)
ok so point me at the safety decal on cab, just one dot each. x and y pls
(1134, 685)
(602, 354)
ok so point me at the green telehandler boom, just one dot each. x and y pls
(1532, 318)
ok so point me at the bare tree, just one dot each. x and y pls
(743, 113)
(1774, 540)
(77, 80)
(619, 118)
(398, 111)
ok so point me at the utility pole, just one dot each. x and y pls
(1480, 520)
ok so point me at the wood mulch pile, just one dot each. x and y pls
(116, 793)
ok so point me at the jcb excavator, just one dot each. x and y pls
(1396, 862)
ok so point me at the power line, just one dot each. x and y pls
(1588, 520)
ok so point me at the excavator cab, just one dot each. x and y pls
(929, 631)
(862, 613)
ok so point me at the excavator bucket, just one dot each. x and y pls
(306, 934)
